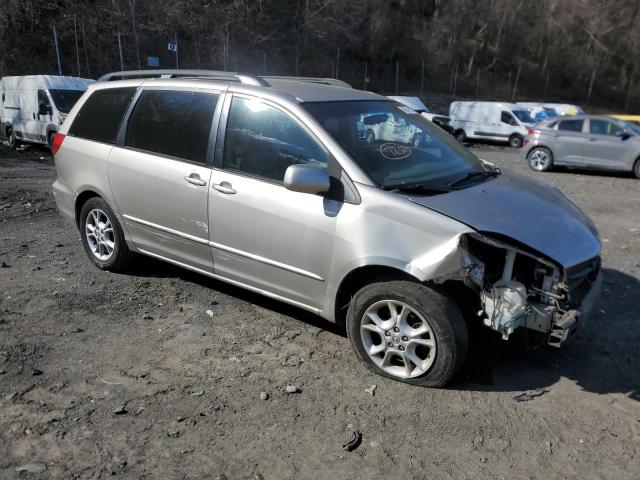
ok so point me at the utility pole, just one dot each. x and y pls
(177, 50)
(119, 39)
(84, 43)
(132, 7)
(337, 62)
(55, 41)
(364, 82)
(75, 32)
(593, 78)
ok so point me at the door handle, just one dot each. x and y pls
(194, 179)
(224, 187)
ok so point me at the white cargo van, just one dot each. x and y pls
(503, 122)
(33, 107)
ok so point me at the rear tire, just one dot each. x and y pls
(636, 169)
(102, 236)
(540, 159)
(429, 318)
(515, 141)
(460, 136)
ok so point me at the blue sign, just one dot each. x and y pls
(153, 61)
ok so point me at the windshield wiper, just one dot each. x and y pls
(416, 188)
(493, 172)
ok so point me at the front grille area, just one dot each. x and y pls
(580, 278)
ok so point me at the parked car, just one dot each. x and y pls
(538, 111)
(565, 109)
(268, 185)
(418, 105)
(387, 126)
(586, 141)
(498, 121)
(33, 107)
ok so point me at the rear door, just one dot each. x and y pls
(606, 147)
(265, 236)
(160, 171)
(569, 139)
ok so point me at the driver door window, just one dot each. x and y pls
(44, 106)
(506, 117)
(262, 141)
(604, 127)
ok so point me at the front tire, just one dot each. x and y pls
(102, 236)
(12, 140)
(540, 159)
(407, 332)
(461, 136)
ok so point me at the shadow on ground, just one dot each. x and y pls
(601, 358)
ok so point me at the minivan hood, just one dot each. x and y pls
(526, 210)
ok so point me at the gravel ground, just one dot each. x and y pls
(106, 375)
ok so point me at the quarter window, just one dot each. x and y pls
(101, 115)
(172, 123)
(263, 141)
(571, 125)
(604, 127)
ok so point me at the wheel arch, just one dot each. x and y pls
(81, 199)
(358, 278)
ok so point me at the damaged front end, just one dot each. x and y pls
(518, 288)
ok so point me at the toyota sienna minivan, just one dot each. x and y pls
(268, 184)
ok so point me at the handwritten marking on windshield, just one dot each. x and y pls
(395, 151)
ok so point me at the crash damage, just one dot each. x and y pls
(518, 288)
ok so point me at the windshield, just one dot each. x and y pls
(65, 99)
(399, 147)
(523, 116)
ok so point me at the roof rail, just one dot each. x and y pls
(130, 74)
(322, 81)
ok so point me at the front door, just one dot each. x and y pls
(607, 148)
(265, 236)
(160, 175)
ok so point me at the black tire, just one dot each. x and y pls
(12, 141)
(539, 166)
(442, 314)
(371, 137)
(460, 136)
(50, 136)
(636, 169)
(515, 141)
(121, 257)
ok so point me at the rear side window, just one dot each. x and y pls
(101, 115)
(263, 141)
(571, 125)
(172, 123)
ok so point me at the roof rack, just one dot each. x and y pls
(322, 81)
(248, 79)
(131, 74)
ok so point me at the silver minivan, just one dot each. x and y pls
(267, 183)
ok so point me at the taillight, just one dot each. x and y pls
(533, 132)
(56, 143)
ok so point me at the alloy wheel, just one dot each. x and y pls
(539, 160)
(100, 235)
(398, 339)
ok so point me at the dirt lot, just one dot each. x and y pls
(77, 343)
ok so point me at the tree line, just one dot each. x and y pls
(583, 51)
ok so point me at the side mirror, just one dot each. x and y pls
(306, 179)
(625, 134)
